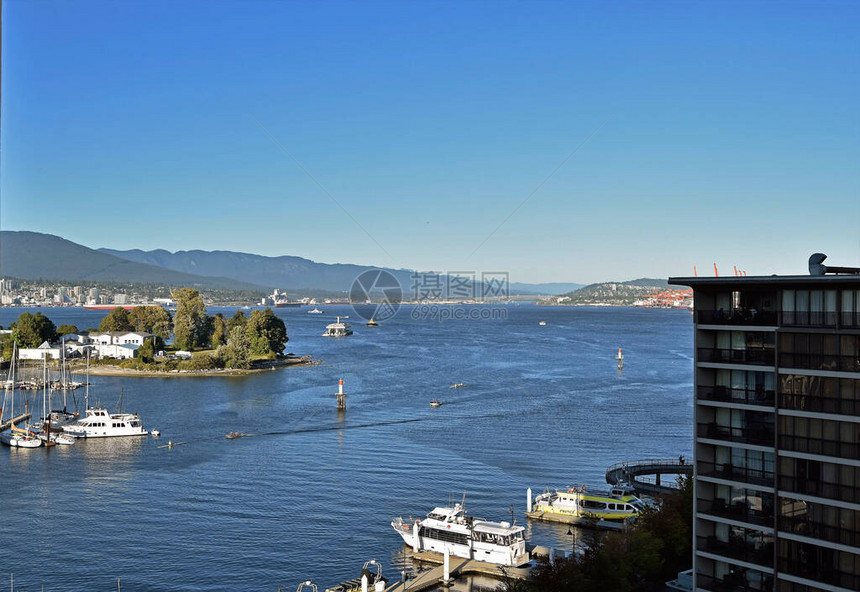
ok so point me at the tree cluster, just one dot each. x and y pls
(641, 558)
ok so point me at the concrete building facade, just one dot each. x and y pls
(777, 433)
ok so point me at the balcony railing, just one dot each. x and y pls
(801, 525)
(760, 554)
(736, 317)
(758, 356)
(814, 487)
(762, 435)
(820, 573)
(739, 511)
(807, 318)
(818, 404)
(819, 446)
(734, 473)
(732, 395)
(820, 362)
(732, 584)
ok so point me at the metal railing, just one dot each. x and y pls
(736, 317)
(758, 356)
(803, 526)
(819, 446)
(734, 395)
(826, 574)
(808, 318)
(738, 584)
(739, 511)
(733, 473)
(814, 487)
(759, 435)
(761, 554)
(820, 361)
(819, 404)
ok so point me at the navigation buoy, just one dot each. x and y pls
(620, 359)
(341, 396)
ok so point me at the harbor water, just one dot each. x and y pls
(311, 494)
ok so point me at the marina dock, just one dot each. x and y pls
(8, 423)
(433, 578)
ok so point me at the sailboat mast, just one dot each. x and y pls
(87, 404)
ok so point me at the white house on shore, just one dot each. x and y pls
(120, 345)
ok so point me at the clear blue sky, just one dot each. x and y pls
(731, 132)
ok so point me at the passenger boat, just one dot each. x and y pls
(338, 329)
(464, 536)
(576, 505)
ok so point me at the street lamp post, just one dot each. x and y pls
(572, 540)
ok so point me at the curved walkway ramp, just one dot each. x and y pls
(633, 471)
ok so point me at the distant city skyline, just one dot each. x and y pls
(558, 142)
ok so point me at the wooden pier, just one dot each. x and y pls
(8, 423)
(432, 578)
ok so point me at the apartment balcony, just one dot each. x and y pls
(736, 318)
(758, 356)
(758, 435)
(816, 488)
(760, 554)
(807, 318)
(820, 362)
(738, 511)
(731, 584)
(731, 472)
(802, 526)
(819, 446)
(818, 404)
(731, 395)
(820, 573)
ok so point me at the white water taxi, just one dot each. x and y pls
(576, 505)
(465, 536)
(315, 310)
(338, 329)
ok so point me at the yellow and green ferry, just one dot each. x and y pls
(576, 505)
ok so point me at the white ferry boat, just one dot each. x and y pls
(338, 329)
(464, 536)
(576, 505)
(98, 423)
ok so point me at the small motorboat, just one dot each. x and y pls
(372, 323)
(155, 433)
(457, 385)
(315, 310)
(435, 403)
(235, 435)
(542, 323)
(64, 439)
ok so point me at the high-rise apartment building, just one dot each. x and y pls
(777, 441)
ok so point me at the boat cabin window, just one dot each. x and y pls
(593, 505)
(491, 538)
(448, 536)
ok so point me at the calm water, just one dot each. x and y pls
(312, 496)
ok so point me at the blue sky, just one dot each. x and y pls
(726, 132)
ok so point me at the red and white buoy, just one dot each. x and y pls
(341, 396)
(620, 359)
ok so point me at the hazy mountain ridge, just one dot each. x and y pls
(36, 256)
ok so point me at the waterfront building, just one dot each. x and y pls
(777, 432)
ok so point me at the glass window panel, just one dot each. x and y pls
(788, 300)
(816, 301)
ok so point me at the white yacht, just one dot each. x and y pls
(338, 329)
(315, 310)
(465, 536)
(98, 423)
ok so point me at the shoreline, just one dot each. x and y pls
(264, 366)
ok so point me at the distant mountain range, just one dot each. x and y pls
(36, 256)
